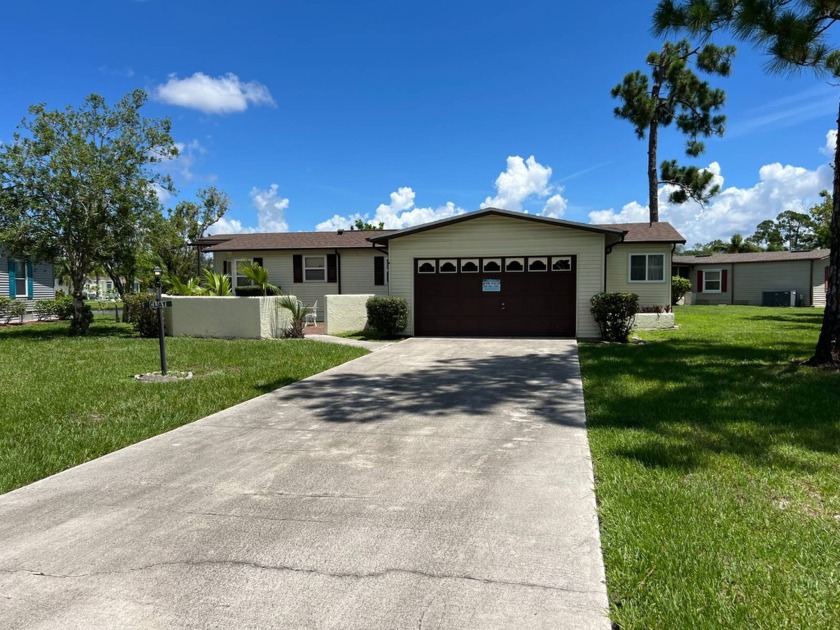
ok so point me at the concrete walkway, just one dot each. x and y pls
(434, 484)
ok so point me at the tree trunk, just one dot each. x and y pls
(78, 281)
(827, 351)
(653, 179)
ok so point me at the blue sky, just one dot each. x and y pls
(311, 113)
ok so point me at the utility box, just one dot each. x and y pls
(778, 298)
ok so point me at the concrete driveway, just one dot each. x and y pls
(437, 483)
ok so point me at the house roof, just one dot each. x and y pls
(751, 257)
(468, 216)
(661, 232)
(342, 239)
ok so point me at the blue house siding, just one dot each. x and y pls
(41, 280)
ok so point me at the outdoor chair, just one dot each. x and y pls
(312, 315)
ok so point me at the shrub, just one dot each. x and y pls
(61, 307)
(387, 315)
(11, 309)
(255, 291)
(81, 327)
(615, 314)
(136, 311)
(679, 287)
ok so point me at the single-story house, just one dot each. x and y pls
(759, 278)
(490, 272)
(25, 280)
(308, 265)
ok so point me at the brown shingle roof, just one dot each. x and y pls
(299, 240)
(751, 257)
(661, 232)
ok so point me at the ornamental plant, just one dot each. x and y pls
(387, 315)
(615, 314)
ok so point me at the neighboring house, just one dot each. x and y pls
(308, 265)
(745, 278)
(496, 272)
(24, 280)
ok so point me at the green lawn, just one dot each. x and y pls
(717, 465)
(67, 400)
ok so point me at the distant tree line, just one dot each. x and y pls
(790, 231)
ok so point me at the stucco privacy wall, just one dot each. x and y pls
(618, 273)
(346, 313)
(226, 317)
(819, 281)
(653, 321)
(502, 236)
(355, 267)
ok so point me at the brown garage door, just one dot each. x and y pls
(495, 296)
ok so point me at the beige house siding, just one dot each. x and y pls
(502, 236)
(618, 273)
(819, 281)
(355, 267)
(747, 282)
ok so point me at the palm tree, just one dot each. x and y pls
(298, 311)
(258, 276)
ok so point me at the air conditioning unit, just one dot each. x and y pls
(778, 298)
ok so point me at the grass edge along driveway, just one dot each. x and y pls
(69, 400)
(717, 466)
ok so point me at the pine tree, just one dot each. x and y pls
(796, 36)
(675, 94)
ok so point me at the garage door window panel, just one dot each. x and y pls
(647, 267)
(492, 265)
(469, 265)
(449, 266)
(537, 264)
(426, 266)
(561, 263)
(514, 264)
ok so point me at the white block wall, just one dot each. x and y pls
(346, 313)
(226, 317)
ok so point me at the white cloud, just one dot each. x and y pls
(830, 143)
(271, 209)
(555, 207)
(399, 213)
(734, 210)
(271, 214)
(522, 179)
(162, 194)
(220, 95)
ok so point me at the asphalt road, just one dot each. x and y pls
(437, 483)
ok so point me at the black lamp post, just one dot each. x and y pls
(157, 271)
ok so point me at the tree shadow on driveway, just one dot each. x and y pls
(539, 384)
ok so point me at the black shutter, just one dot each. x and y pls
(379, 270)
(258, 261)
(225, 267)
(332, 271)
(297, 264)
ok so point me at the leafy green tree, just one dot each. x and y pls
(821, 219)
(172, 235)
(796, 229)
(675, 94)
(77, 183)
(767, 235)
(363, 225)
(737, 245)
(796, 34)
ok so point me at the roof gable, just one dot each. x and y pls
(470, 216)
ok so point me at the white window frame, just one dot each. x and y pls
(235, 272)
(719, 280)
(647, 256)
(25, 293)
(306, 269)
